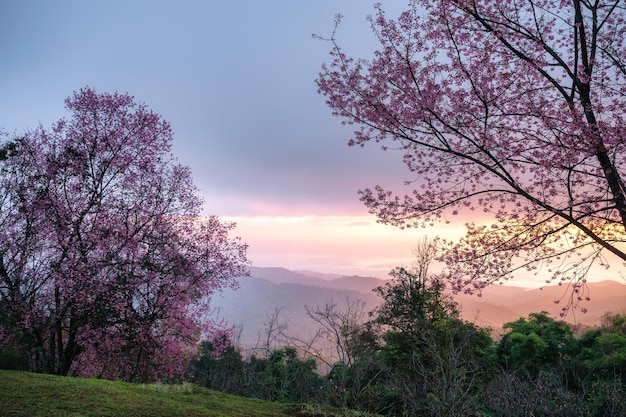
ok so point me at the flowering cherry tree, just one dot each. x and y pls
(511, 109)
(106, 267)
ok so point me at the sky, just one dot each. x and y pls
(236, 80)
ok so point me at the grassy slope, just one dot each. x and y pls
(25, 394)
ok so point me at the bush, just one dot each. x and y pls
(11, 359)
(522, 395)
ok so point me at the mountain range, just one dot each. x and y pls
(281, 295)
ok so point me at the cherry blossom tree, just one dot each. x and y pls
(511, 112)
(106, 266)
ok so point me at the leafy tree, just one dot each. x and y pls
(511, 109)
(547, 371)
(106, 267)
(410, 303)
(535, 344)
(219, 365)
(440, 362)
(614, 323)
(602, 351)
(428, 361)
(599, 367)
(280, 376)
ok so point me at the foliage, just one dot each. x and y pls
(535, 344)
(316, 410)
(416, 357)
(105, 264)
(547, 371)
(607, 397)
(420, 358)
(222, 371)
(614, 323)
(602, 351)
(411, 302)
(281, 376)
(510, 395)
(510, 109)
(11, 358)
(445, 367)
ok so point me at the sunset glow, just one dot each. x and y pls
(267, 155)
(334, 244)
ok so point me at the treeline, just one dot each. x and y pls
(415, 356)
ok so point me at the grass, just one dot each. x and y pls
(24, 394)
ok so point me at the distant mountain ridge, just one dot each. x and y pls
(351, 282)
(268, 289)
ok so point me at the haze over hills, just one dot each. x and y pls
(269, 289)
(259, 296)
(501, 304)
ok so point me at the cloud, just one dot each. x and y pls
(337, 244)
(237, 85)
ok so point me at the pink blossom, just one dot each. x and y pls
(511, 109)
(106, 265)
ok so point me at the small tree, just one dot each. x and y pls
(340, 326)
(427, 360)
(219, 365)
(106, 267)
(602, 351)
(514, 110)
(535, 344)
(411, 303)
(438, 361)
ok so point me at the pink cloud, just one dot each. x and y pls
(337, 244)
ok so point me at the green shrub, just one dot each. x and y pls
(11, 359)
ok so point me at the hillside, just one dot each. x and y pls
(501, 304)
(269, 289)
(25, 394)
(257, 299)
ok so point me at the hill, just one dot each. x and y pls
(256, 300)
(501, 304)
(24, 394)
(269, 289)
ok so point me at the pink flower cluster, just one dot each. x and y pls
(510, 113)
(106, 266)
